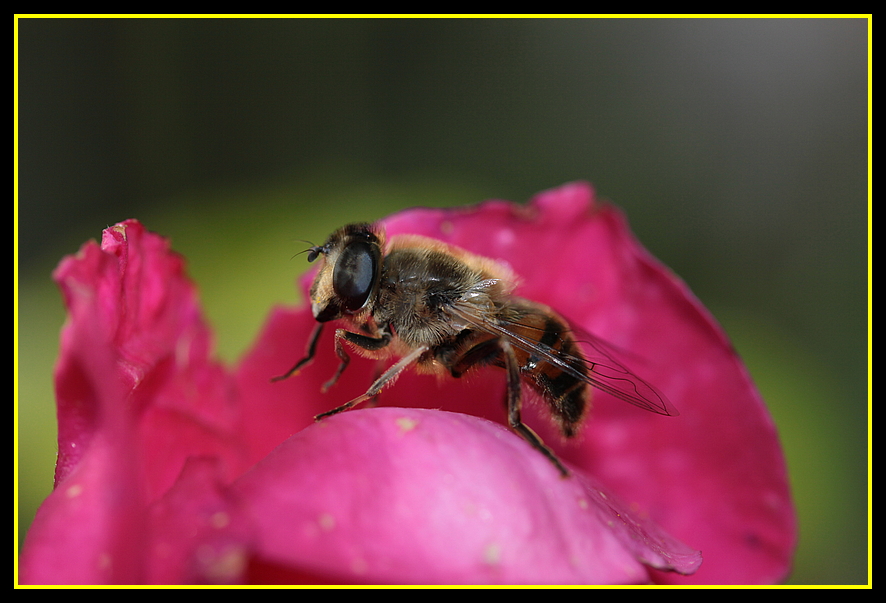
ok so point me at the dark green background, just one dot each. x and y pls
(737, 147)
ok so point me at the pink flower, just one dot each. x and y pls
(173, 469)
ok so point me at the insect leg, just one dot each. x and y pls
(363, 341)
(309, 354)
(388, 377)
(514, 401)
(343, 357)
(379, 369)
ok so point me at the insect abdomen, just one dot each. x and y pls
(565, 392)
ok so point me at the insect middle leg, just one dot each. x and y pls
(364, 341)
(387, 378)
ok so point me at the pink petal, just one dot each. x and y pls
(395, 495)
(136, 396)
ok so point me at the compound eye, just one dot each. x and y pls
(355, 274)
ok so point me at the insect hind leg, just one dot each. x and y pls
(363, 341)
(514, 402)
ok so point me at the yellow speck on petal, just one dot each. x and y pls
(74, 491)
(326, 522)
(359, 566)
(222, 566)
(104, 561)
(183, 352)
(219, 520)
(492, 554)
(406, 424)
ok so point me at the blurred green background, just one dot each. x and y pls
(737, 147)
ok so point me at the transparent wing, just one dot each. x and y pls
(609, 375)
(604, 372)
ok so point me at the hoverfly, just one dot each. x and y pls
(444, 310)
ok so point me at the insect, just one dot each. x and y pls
(444, 310)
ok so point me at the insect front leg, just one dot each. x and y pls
(514, 401)
(309, 354)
